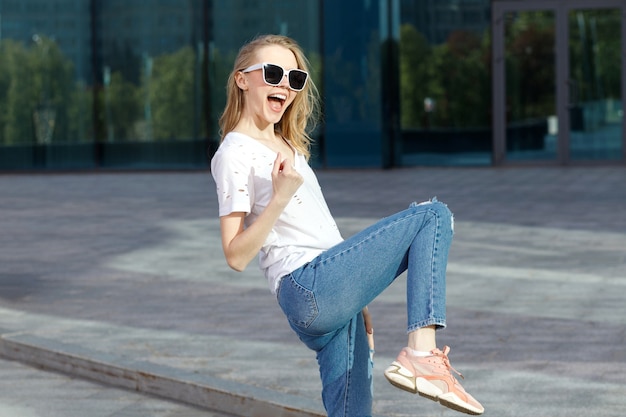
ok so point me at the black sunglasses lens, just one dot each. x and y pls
(297, 79)
(273, 74)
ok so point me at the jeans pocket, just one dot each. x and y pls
(297, 302)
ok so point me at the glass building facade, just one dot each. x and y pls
(137, 84)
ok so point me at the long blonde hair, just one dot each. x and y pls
(299, 118)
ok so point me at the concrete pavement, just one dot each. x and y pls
(120, 278)
(29, 392)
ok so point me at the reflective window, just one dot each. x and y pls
(353, 125)
(531, 113)
(141, 84)
(596, 110)
(559, 84)
(445, 82)
(45, 94)
(135, 84)
(151, 63)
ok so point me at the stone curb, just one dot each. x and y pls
(190, 388)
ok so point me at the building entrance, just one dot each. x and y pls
(558, 81)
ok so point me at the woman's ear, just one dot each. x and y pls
(241, 80)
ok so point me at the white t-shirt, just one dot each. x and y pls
(242, 170)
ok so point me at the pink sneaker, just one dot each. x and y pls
(430, 377)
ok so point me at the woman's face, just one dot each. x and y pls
(265, 103)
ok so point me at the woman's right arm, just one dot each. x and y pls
(241, 244)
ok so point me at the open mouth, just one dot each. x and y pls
(277, 101)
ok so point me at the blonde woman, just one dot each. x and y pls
(271, 207)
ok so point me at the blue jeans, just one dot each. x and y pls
(324, 298)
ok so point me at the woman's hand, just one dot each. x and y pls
(242, 244)
(285, 179)
(369, 327)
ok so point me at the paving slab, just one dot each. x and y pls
(26, 391)
(120, 278)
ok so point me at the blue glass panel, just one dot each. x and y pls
(445, 82)
(352, 84)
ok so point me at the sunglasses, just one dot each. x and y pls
(273, 75)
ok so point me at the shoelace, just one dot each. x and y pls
(446, 362)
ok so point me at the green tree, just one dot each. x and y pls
(5, 82)
(595, 53)
(530, 65)
(418, 80)
(171, 92)
(80, 114)
(57, 88)
(121, 108)
(21, 95)
(462, 70)
(36, 86)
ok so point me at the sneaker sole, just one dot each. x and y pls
(400, 377)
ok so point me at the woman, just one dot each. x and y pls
(271, 205)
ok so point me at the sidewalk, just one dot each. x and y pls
(60, 395)
(120, 278)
